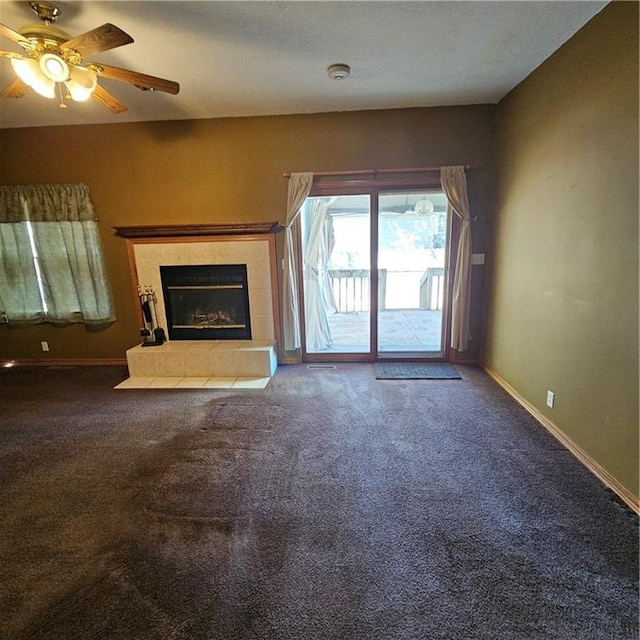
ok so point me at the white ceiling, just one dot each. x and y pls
(266, 58)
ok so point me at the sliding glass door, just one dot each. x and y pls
(411, 259)
(336, 256)
(374, 275)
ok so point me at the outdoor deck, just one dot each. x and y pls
(399, 330)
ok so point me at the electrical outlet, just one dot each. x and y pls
(550, 399)
(45, 345)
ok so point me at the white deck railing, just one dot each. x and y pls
(351, 288)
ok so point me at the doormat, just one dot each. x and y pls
(416, 371)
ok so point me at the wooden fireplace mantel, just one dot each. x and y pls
(184, 230)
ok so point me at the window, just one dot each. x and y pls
(51, 266)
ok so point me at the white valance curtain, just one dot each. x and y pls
(454, 185)
(51, 266)
(299, 189)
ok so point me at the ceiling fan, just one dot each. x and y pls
(54, 62)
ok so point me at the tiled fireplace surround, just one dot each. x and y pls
(206, 363)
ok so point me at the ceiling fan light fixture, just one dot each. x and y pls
(424, 207)
(54, 58)
(28, 70)
(81, 83)
(54, 67)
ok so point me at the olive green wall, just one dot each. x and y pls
(564, 303)
(226, 170)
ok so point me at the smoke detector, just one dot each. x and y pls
(339, 71)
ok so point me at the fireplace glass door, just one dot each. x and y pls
(206, 302)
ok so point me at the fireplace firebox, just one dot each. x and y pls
(206, 302)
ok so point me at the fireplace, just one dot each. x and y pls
(206, 302)
(215, 363)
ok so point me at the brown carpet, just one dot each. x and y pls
(330, 505)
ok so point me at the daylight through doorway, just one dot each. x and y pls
(374, 274)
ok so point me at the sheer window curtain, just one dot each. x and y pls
(454, 185)
(63, 230)
(318, 293)
(298, 191)
(19, 294)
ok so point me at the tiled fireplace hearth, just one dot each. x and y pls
(208, 363)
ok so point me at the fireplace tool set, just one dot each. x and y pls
(151, 331)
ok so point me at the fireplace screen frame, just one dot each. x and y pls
(221, 277)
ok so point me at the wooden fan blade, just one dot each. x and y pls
(7, 32)
(133, 77)
(10, 54)
(16, 89)
(108, 100)
(103, 38)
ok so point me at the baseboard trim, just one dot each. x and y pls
(600, 472)
(67, 362)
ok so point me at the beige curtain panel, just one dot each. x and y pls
(299, 189)
(454, 184)
(46, 203)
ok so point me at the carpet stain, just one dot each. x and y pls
(325, 507)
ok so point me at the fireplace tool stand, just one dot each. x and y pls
(153, 334)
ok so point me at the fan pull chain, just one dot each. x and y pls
(62, 104)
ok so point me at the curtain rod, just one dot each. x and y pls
(374, 171)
